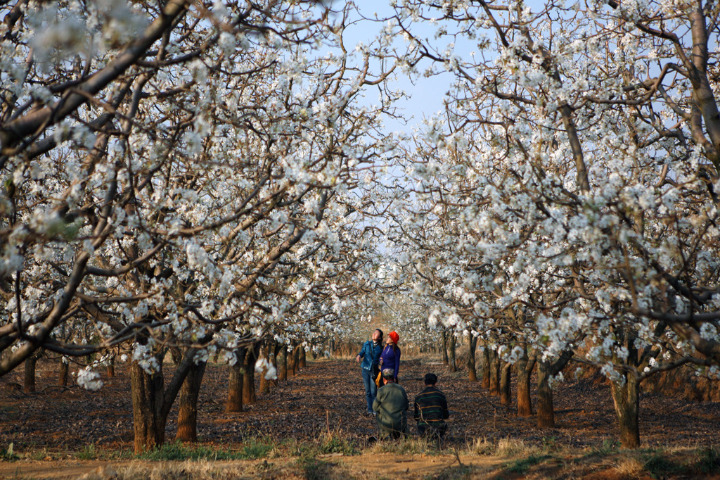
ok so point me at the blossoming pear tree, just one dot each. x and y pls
(158, 164)
(590, 134)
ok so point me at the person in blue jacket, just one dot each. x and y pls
(370, 355)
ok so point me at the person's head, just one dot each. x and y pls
(393, 337)
(388, 375)
(430, 379)
(377, 335)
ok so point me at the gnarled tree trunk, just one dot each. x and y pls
(505, 371)
(626, 398)
(187, 404)
(301, 353)
(291, 367)
(445, 358)
(152, 400)
(547, 369)
(110, 368)
(235, 383)
(485, 368)
(282, 359)
(64, 373)
(494, 362)
(147, 398)
(29, 379)
(249, 376)
(525, 367)
(472, 372)
(546, 412)
(451, 354)
(296, 359)
(269, 355)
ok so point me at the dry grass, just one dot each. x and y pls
(189, 470)
(404, 446)
(630, 468)
(505, 447)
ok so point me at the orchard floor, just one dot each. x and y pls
(324, 400)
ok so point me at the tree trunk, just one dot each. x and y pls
(235, 383)
(64, 373)
(494, 372)
(296, 359)
(249, 377)
(444, 347)
(627, 407)
(291, 368)
(110, 369)
(148, 420)
(505, 383)
(525, 367)
(282, 360)
(547, 369)
(265, 383)
(453, 363)
(29, 381)
(472, 372)
(485, 368)
(303, 362)
(187, 404)
(546, 414)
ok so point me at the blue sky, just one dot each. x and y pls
(425, 93)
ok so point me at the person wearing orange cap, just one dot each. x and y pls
(390, 356)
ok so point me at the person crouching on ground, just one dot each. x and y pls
(390, 357)
(370, 356)
(390, 406)
(431, 409)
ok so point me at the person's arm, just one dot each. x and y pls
(361, 354)
(416, 413)
(376, 402)
(443, 403)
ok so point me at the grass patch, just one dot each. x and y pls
(629, 467)
(523, 465)
(481, 446)
(314, 469)
(607, 448)
(337, 444)
(87, 453)
(406, 446)
(256, 448)
(8, 455)
(189, 470)
(658, 465)
(456, 472)
(178, 451)
(708, 461)
(511, 447)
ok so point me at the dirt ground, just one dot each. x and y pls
(368, 466)
(327, 398)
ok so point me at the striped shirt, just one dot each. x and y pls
(431, 407)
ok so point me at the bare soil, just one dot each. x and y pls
(327, 398)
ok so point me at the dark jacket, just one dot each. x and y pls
(431, 408)
(370, 354)
(391, 405)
